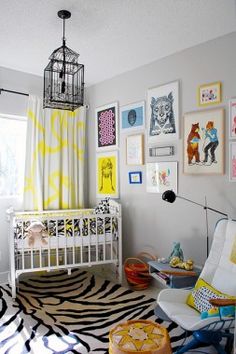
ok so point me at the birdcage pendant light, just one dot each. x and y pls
(63, 76)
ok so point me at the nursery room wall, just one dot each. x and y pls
(149, 223)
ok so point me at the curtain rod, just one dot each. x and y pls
(25, 94)
(16, 92)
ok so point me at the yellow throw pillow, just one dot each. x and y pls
(199, 299)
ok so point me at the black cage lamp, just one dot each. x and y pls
(63, 76)
(170, 196)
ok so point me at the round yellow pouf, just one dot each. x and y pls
(139, 336)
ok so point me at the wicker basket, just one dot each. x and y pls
(137, 271)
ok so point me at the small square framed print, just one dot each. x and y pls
(132, 117)
(209, 94)
(135, 177)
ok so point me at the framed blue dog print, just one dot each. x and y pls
(163, 113)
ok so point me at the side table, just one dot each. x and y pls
(157, 270)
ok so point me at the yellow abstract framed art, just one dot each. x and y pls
(107, 183)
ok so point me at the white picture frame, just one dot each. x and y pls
(132, 117)
(232, 118)
(232, 161)
(163, 113)
(134, 149)
(106, 127)
(201, 127)
(162, 176)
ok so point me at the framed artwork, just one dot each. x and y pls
(135, 177)
(209, 94)
(161, 176)
(204, 142)
(132, 117)
(107, 127)
(232, 162)
(134, 149)
(107, 174)
(159, 151)
(163, 113)
(232, 118)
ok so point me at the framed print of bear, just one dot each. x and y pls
(204, 142)
(163, 113)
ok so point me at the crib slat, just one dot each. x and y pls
(22, 251)
(96, 228)
(65, 248)
(57, 243)
(49, 250)
(104, 238)
(111, 232)
(73, 248)
(89, 240)
(82, 239)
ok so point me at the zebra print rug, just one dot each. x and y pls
(57, 313)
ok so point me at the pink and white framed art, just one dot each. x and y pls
(107, 127)
(232, 118)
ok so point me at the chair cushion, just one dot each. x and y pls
(199, 300)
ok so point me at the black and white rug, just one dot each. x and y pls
(58, 313)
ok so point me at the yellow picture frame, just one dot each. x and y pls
(209, 94)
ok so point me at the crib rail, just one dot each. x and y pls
(70, 238)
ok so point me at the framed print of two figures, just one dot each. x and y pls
(204, 142)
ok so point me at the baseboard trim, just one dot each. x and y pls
(4, 277)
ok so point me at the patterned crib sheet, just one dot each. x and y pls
(71, 226)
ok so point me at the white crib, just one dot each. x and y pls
(74, 238)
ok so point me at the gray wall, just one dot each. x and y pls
(148, 222)
(15, 105)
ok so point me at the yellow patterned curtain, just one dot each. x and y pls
(55, 153)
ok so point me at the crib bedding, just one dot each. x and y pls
(70, 238)
(71, 226)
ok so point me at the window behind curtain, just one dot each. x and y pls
(12, 155)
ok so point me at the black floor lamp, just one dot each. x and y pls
(170, 196)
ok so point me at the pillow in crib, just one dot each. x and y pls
(103, 207)
(199, 300)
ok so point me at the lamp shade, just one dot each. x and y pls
(63, 76)
(169, 196)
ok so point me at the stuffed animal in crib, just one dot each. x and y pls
(176, 262)
(35, 234)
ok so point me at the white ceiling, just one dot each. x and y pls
(112, 36)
